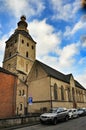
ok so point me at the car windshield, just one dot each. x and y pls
(53, 111)
(69, 110)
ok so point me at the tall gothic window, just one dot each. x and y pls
(55, 92)
(20, 107)
(73, 94)
(69, 94)
(26, 67)
(62, 93)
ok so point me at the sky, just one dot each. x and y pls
(58, 27)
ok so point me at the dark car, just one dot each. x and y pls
(81, 111)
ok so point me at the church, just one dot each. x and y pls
(30, 86)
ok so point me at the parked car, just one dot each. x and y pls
(54, 115)
(81, 111)
(73, 113)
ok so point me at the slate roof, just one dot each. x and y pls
(58, 75)
(6, 71)
(79, 85)
(24, 33)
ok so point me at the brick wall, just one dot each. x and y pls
(7, 95)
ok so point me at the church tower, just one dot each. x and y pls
(20, 51)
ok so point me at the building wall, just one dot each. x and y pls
(41, 88)
(21, 98)
(68, 101)
(7, 95)
(38, 89)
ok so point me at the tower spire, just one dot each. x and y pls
(22, 24)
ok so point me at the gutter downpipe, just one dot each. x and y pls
(50, 94)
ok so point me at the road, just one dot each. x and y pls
(75, 124)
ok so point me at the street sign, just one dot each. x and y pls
(30, 100)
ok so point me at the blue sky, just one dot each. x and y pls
(58, 27)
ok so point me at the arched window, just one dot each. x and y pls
(23, 92)
(62, 93)
(27, 44)
(20, 107)
(26, 67)
(69, 94)
(73, 94)
(27, 54)
(10, 54)
(55, 92)
(19, 92)
(22, 41)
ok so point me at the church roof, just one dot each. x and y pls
(22, 32)
(6, 71)
(79, 85)
(58, 75)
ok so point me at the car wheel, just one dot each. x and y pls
(66, 118)
(55, 121)
(41, 122)
(72, 117)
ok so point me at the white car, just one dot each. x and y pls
(73, 113)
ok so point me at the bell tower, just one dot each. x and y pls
(20, 50)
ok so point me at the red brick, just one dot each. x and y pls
(7, 95)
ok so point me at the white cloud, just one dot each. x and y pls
(82, 79)
(48, 46)
(26, 7)
(2, 45)
(64, 10)
(44, 34)
(69, 31)
(82, 60)
(66, 55)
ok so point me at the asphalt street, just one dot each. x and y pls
(75, 124)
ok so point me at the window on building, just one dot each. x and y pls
(10, 54)
(23, 92)
(32, 47)
(22, 41)
(27, 44)
(73, 94)
(68, 94)
(27, 54)
(62, 93)
(19, 92)
(55, 92)
(26, 67)
(20, 107)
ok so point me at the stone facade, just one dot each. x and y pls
(48, 91)
(20, 51)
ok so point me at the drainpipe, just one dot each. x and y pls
(50, 94)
